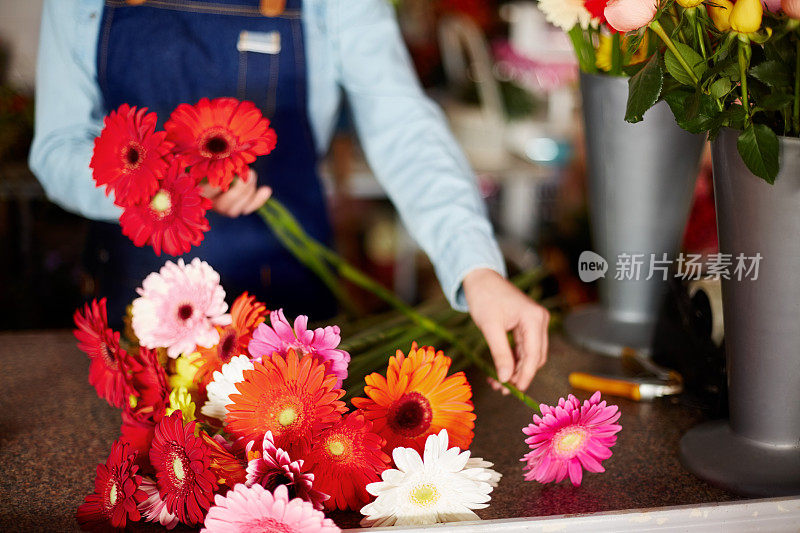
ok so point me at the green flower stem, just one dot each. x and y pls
(309, 260)
(796, 107)
(583, 50)
(673, 13)
(349, 272)
(743, 64)
(691, 13)
(659, 30)
(616, 54)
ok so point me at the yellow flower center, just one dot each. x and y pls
(177, 468)
(424, 495)
(336, 447)
(112, 495)
(133, 401)
(161, 203)
(287, 417)
(569, 441)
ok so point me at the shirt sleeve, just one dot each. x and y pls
(409, 146)
(69, 108)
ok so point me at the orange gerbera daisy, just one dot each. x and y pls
(219, 138)
(294, 398)
(246, 314)
(229, 469)
(417, 399)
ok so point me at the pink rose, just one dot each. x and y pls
(630, 15)
(772, 5)
(791, 8)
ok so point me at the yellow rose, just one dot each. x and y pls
(746, 16)
(689, 3)
(720, 13)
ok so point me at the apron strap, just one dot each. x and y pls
(268, 8)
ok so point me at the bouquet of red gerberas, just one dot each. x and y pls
(155, 176)
(235, 419)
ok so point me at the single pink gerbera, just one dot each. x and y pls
(570, 437)
(154, 508)
(320, 343)
(273, 467)
(256, 509)
(179, 306)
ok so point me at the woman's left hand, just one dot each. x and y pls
(498, 307)
(242, 198)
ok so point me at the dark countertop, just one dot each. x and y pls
(54, 430)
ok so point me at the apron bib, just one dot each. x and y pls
(167, 52)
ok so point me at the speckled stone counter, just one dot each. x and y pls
(54, 430)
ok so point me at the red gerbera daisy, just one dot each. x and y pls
(137, 430)
(246, 314)
(116, 493)
(344, 459)
(101, 344)
(173, 219)
(148, 379)
(295, 399)
(129, 155)
(219, 138)
(181, 461)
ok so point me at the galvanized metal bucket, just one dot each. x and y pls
(640, 180)
(756, 452)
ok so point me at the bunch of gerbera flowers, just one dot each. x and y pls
(156, 176)
(235, 419)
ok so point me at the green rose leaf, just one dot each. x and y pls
(644, 88)
(692, 58)
(758, 145)
(773, 73)
(694, 112)
(720, 87)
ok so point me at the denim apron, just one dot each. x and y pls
(167, 52)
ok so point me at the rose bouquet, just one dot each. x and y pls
(599, 47)
(725, 64)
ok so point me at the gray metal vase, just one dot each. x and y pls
(757, 452)
(640, 179)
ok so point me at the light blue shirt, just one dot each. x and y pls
(351, 44)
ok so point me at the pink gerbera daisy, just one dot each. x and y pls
(256, 509)
(273, 467)
(570, 437)
(320, 343)
(154, 508)
(179, 306)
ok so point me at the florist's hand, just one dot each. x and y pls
(242, 198)
(497, 307)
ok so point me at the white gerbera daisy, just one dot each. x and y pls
(443, 486)
(566, 13)
(224, 384)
